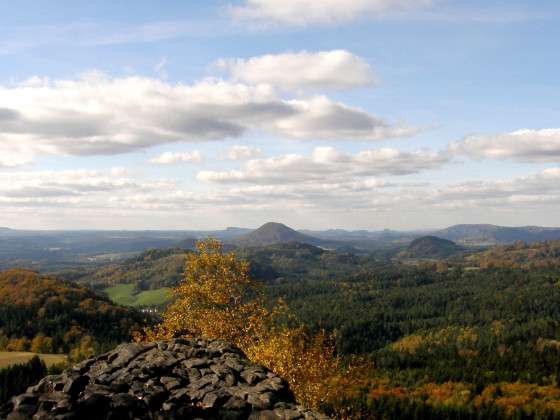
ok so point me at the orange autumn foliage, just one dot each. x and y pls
(218, 300)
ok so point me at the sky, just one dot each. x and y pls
(354, 114)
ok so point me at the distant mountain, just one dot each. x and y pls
(431, 247)
(274, 233)
(486, 234)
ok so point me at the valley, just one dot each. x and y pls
(445, 324)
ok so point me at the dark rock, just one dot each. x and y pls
(172, 379)
(214, 399)
(196, 363)
(170, 382)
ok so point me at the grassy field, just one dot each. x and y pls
(124, 294)
(8, 358)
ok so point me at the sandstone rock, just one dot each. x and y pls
(175, 379)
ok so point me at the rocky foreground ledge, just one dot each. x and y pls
(176, 379)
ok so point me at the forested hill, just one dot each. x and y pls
(519, 255)
(159, 268)
(431, 247)
(58, 316)
(151, 269)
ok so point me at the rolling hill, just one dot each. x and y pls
(150, 270)
(33, 305)
(519, 255)
(431, 247)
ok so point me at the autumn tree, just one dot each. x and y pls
(218, 300)
(215, 300)
(42, 344)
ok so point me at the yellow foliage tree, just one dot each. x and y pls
(84, 350)
(42, 344)
(18, 344)
(218, 300)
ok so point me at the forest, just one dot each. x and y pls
(474, 336)
(44, 315)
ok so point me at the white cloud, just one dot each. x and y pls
(320, 118)
(338, 69)
(169, 158)
(239, 152)
(326, 164)
(71, 188)
(543, 183)
(12, 155)
(99, 115)
(306, 12)
(345, 198)
(521, 145)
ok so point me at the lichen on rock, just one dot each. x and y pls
(175, 379)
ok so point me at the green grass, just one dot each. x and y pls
(121, 294)
(153, 297)
(124, 294)
(8, 358)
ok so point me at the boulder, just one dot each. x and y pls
(175, 379)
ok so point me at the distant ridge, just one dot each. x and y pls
(487, 234)
(274, 233)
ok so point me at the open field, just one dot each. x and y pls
(8, 358)
(124, 294)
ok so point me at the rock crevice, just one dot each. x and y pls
(176, 379)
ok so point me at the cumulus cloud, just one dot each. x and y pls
(305, 12)
(99, 115)
(338, 69)
(73, 187)
(320, 118)
(342, 194)
(326, 164)
(531, 190)
(521, 145)
(14, 154)
(239, 152)
(116, 196)
(169, 158)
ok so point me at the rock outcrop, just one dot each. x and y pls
(176, 379)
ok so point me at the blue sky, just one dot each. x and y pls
(356, 114)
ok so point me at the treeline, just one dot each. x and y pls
(15, 379)
(395, 408)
